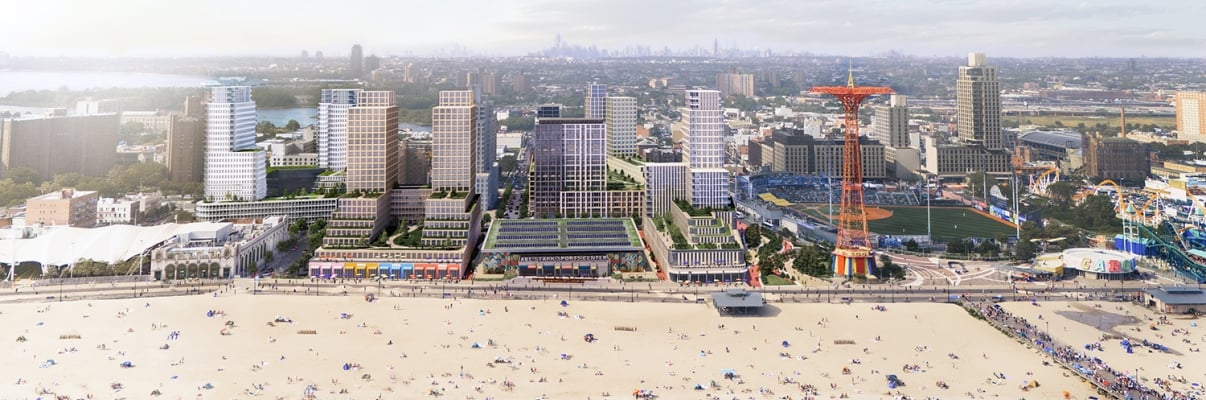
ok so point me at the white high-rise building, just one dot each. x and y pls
(621, 119)
(596, 98)
(332, 135)
(235, 169)
(703, 132)
(891, 124)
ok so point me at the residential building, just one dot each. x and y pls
(981, 144)
(486, 151)
(95, 107)
(595, 102)
(621, 122)
(356, 62)
(415, 164)
(802, 154)
(1119, 159)
(491, 84)
(332, 135)
(1191, 116)
(978, 103)
(372, 170)
(568, 155)
(453, 215)
(117, 211)
(548, 111)
(151, 121)
(735, 84)
(664, 183)
(186, 143)
(68, 207)
(372, 63)
(310, 208)
(891, 123)
(235, 169)
(703, 133)
(57, 145)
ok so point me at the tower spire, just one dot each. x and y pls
(849, 74)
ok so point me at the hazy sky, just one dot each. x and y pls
(1123, 28)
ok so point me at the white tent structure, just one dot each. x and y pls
(111, 244)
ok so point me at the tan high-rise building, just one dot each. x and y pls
(186, 143)
(453, 215)
(1191, 116)
(373, 142)
(453, 139)
(979, 103)
(733, 84)
(65, 207)
(56, 145)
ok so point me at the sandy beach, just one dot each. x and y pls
(288, 347)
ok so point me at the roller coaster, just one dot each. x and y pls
(1170, 245)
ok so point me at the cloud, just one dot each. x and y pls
(948, 27)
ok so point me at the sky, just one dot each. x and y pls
(1008, 28)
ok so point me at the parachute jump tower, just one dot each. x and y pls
(852, 253)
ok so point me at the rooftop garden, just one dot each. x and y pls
(455, 194)
(686, 207)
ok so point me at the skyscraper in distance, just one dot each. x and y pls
(332, 127)
(235, 169)
(356, 63)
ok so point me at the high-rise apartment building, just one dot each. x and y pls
(332, 132)
(621, 120)
(453, 215)
(59, 144)
(703, 132)
(372, 63)
(356, 62)
(186, 143)
(733, 84)
(979, 103)
(520, 83)
(485, 147)
(595, 102)
(1191, 116)
(372, 142)
(548, 111)
(372, 170)
(891, 124)
(235, 169)
(568, 154)
(491, 84)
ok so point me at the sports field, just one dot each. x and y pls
(948, 222)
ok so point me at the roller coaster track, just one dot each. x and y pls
(1170, 249)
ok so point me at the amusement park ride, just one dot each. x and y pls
(852, 253)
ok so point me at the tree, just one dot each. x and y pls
(912, 245)
(20, 175)
(292, 125)
(1061, 193)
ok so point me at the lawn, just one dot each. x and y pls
(948, 223)
(775, 280)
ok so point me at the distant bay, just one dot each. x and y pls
(22, 80)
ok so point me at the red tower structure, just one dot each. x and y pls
(852, 253)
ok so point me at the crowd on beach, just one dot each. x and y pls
(1118, 383)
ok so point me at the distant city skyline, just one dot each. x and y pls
(1020, 28)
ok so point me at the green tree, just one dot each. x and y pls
(292, 125)
(1061, 193)
(20, 175)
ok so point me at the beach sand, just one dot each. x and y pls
(520, 344)
(1081, 323)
